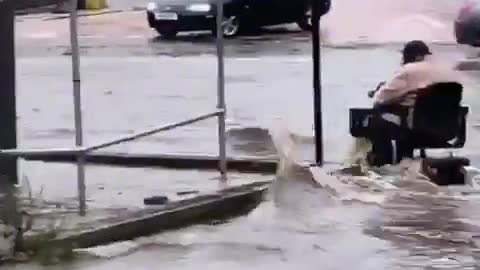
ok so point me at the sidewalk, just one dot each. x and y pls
(116, 209)
(104, 27)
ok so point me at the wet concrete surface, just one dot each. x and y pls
(133, 80)
(349, 24)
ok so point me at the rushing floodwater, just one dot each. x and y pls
(268, 85)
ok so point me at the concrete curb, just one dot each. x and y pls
(29, 4)
(222, 205)
(83, 14)
(166, 161)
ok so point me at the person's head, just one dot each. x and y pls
(415, 51)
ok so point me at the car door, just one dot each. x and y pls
(286, 11)
(262, 12)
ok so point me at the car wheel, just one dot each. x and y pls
(305, 23)
(167, 33)
(231, 27)
(476, 42)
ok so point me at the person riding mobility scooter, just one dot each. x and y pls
(419, 108)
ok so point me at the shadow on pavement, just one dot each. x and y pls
(260, 34)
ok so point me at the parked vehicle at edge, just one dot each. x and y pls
(467, 24)
(170, 17)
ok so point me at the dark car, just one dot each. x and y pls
(169, 17)
(467, 24)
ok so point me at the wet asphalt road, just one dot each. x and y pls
(133, 80)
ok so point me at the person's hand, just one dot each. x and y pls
(372, 92)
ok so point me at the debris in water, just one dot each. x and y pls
(185, 193)
(354, 170)
(156, 200)
(318, 247)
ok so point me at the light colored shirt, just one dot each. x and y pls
(402, 88)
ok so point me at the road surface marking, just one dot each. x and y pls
(134, 37)
(93, 37)
(423, 19)
(247, 58)
(44, 35)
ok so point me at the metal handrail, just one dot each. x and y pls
(80, 152)
(86, 149)
(21, 153)
(156, 130)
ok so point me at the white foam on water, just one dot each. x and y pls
(112, 250)
(445, 263)
(287, 150)
(375, 187)
(287, 144)
(358, 151)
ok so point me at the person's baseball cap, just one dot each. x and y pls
(416, 48)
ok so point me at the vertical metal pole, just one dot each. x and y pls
(221, 91)
(8, 116)
(317, 85)
(77, 105)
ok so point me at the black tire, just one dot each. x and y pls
(167, 33)
(476, 42)
(234, 29)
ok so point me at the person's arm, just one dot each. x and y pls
(394, 90)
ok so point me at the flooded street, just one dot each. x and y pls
(133, 80)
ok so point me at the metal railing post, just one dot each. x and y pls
(81, 184)
(221, 92)
(317, 81)
(8, 116)
(77, 106)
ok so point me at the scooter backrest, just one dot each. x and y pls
(437, 111)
